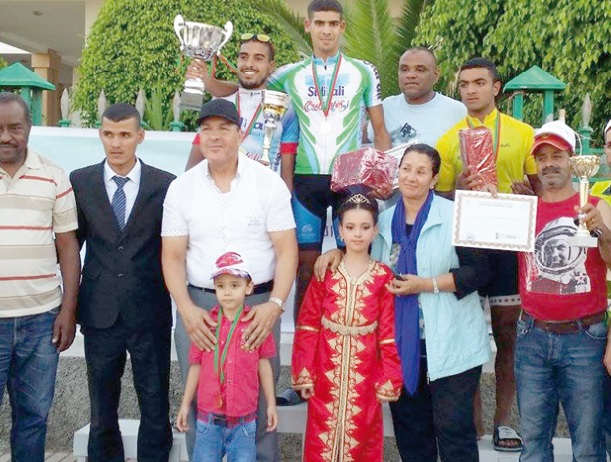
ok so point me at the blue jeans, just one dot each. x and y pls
(607, 416)
(28, 363)
(566, 368)
(213, 441)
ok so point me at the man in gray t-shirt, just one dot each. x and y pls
(419, 113)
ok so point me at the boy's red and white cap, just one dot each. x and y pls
(231, 263)
(556, 133)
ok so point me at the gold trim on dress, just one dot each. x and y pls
(386, 341)
(304, 378)
(387, 390)
(309, 328)
(353, 331)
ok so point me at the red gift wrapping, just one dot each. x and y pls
(365, 166)
(476, 148)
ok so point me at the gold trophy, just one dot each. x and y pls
(274, 105)
(584, 167)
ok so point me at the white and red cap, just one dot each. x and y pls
(556, 133)
(231, 263)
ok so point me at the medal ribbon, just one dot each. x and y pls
(496, 140)
(252, 121)
(326, 108)
(219, 363)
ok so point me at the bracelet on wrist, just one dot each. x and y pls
(435, 285)
(278, 301)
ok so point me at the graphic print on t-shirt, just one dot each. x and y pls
(557, 267)
(403, 134)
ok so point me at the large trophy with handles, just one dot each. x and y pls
(201, 41)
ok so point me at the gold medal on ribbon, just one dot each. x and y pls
(219, 401)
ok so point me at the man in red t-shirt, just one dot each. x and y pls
(561, 333)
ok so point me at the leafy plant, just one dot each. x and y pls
(375, 42)
(158, 113)
(3, 63)
(374, 35)
(291, 22)
(409, 19)
(567, 38)
(132, 45)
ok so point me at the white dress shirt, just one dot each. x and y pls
(236, 221)
(130, 188)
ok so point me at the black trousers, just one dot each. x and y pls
(437, 419)
(105, 354)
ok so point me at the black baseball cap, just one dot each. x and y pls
(219, 108)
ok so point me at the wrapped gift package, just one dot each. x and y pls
(477, 150)
(366, 166)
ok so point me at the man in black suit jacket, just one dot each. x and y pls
(123, 303)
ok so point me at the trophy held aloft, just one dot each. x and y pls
(200, 41)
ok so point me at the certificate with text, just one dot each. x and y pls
(505, 222)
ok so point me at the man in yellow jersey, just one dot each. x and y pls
(602, 189)
(479, 84)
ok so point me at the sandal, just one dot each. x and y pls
(504, 434)
(288, 397)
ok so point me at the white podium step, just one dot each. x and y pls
(129, 435)
(292, 420)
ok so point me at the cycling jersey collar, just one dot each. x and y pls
(330, 60)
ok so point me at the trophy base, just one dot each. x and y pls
(583, 240)
(191, 100)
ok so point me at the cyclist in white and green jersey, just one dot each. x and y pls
(329, 92)
(330, 123)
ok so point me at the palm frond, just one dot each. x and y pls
(290, 21)
(370, 35)
(408, 22)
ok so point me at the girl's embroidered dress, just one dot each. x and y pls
(345, 347)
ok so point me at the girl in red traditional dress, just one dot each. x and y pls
(345, 361)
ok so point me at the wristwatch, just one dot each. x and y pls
(279, 302)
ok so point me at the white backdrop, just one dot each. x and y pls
(74, 148)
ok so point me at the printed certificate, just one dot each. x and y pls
(505, 222)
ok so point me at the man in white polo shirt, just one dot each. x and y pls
(228, 202)
(37, 223)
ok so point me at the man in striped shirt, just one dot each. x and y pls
(37, 228)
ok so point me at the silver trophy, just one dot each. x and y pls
(584, 167)
(201, 41)
(274, 105)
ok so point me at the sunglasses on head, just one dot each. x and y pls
(258, 37)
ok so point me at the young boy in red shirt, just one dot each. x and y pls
(227, 378)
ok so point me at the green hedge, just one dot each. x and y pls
(567, 38)
(132, 45)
